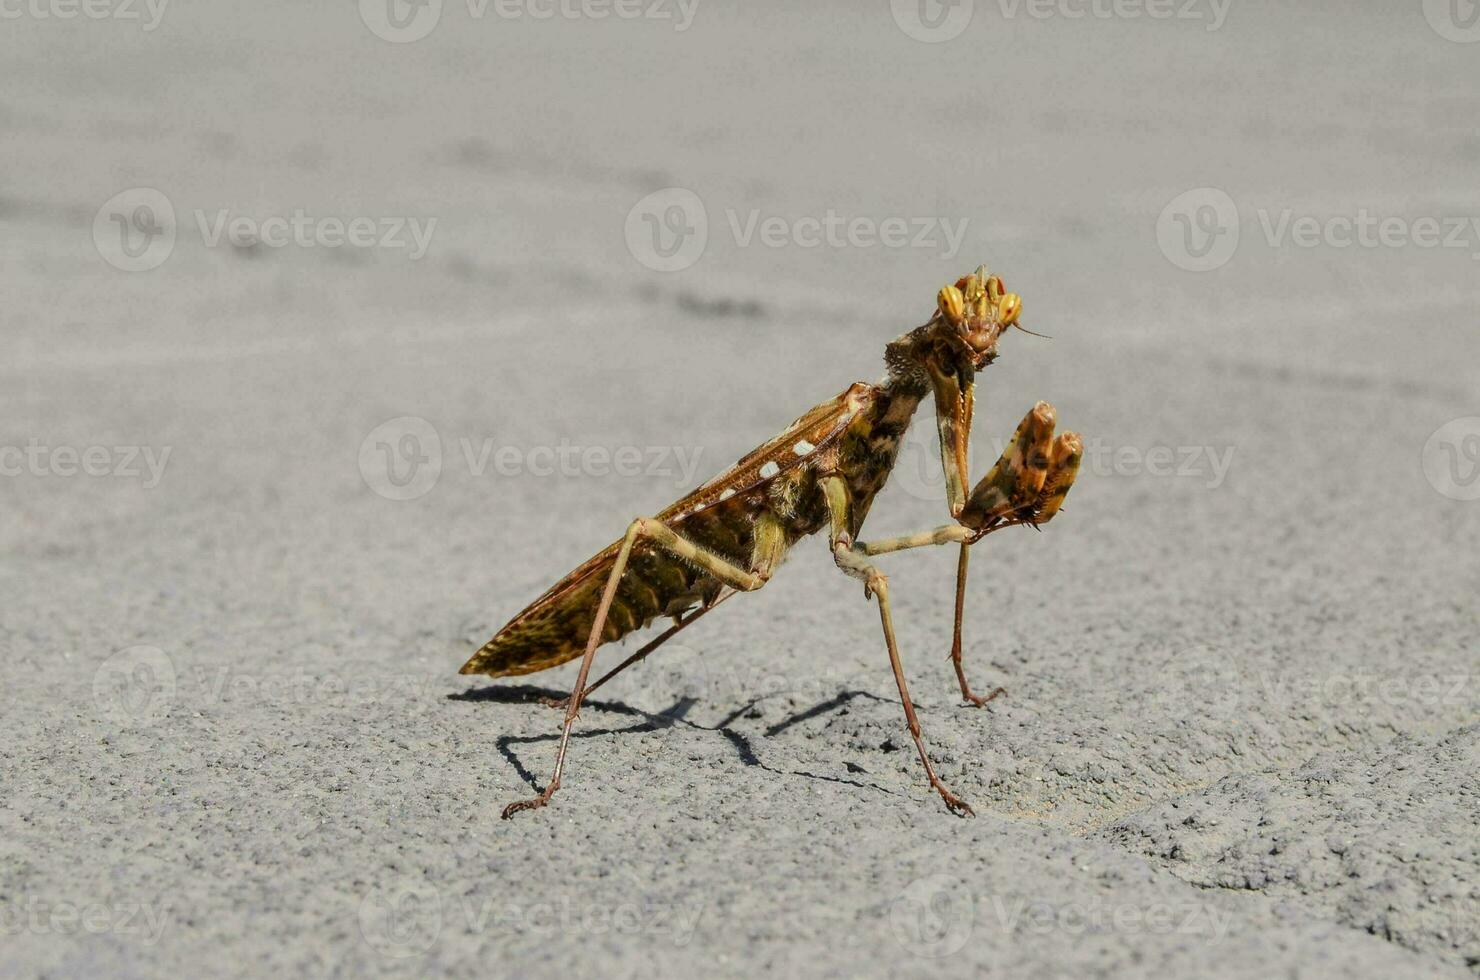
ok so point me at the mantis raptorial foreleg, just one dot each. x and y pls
(852, 561)
(962, 560)
(644, 528)
(1026, 485)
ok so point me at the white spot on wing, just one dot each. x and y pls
(803, 447)
(727, 494)
(769, 470)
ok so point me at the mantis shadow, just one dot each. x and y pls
(676, 714)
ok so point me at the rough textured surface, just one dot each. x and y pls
(1241, 731)
(1381, 838)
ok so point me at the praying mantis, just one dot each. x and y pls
(821, 473)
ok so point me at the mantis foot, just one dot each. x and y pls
(954, 803)
(531, 804)
(978, 699)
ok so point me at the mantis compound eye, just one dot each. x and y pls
(952, 304)
(1009, 308)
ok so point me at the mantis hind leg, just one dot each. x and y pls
(669, 540)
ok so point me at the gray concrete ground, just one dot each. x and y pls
(262, 499)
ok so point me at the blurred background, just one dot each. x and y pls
(334, 333)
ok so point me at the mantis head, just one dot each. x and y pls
(961, 338)
(974, 313)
